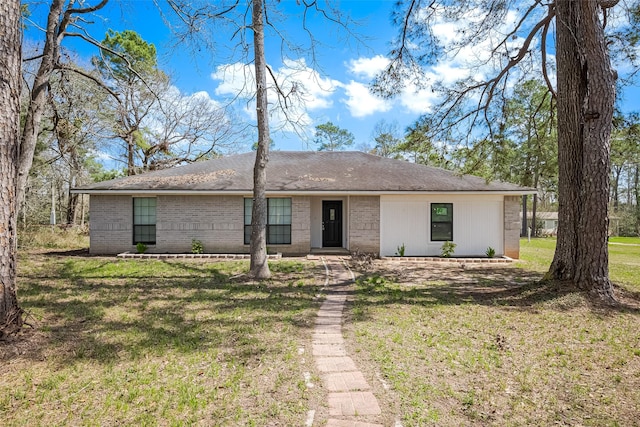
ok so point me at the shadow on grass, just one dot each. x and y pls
(86, 310)
(505, 287)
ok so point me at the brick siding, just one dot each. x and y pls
(512, 226)
(364, 224)
(216, 221)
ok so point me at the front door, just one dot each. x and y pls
(331, 223)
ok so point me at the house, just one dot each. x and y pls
(547, 222)
(316, 200)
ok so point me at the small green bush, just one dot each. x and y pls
(141, 248)
(196, 246)
(400, 250)
(490, 252)
(448, 248)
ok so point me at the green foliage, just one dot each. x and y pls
(141, 247)
(196, 247)
(420, 148)
(447, 249)
(330, 137)
(127, 53)
(490, 252)
(400, 250)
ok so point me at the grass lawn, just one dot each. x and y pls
(159, 343)
(491, 346)
(124, 342)
(624, 259)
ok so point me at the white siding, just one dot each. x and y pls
(477, 224)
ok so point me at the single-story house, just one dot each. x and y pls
(316, 200)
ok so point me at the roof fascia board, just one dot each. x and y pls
(293, 193)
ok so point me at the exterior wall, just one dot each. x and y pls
(406, 220)
(364, 224)
(512, 226)
(217, 221)
(111, 225)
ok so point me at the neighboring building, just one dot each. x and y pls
(316, 200)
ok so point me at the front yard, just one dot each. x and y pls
(491, 346)
(183, 342)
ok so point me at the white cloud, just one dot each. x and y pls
(304, 89)
(368, 68)
(361, 102)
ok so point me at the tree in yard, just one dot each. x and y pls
(502, 36)
(196, 16)
(128, 65)
(62, 21)
(157, 126)
(330, 137)
(10, 64)
(259, 266)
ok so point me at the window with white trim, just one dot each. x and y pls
(278, 221)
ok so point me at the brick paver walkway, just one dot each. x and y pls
(350, 400)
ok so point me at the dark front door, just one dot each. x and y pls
(331, 223)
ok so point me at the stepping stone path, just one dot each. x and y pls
(350, 400)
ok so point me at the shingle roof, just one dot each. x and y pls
(301, 171)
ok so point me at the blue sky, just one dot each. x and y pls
(334, 81)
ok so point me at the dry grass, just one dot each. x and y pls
(492, 346)
(158, 343)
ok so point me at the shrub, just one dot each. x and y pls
(490, 252)
(141, 248)
(196, 246)
(400, 250)
(448, 248)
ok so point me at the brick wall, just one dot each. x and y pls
(111, 225)
(216, 221)
(512, 226)
(364, 224)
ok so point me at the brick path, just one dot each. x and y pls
(350, 400)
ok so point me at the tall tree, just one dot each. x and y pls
(259, 266)
(196, 17)
(385, 136)
(157, 126)
(128, 65)
(586, 97)
(330, 137)
(62, 21)
(10, 63)
(504, 33)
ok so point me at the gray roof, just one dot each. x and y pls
(304, 171)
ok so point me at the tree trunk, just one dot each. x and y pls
(586, 95)
(38, 97)
(524, 231)
(617, 170)
(259, 266)
(10, 74)
(637, 194)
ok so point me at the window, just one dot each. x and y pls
(442, 222)
(144, 220)
(278, 221)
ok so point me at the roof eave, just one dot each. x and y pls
(298, 192)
